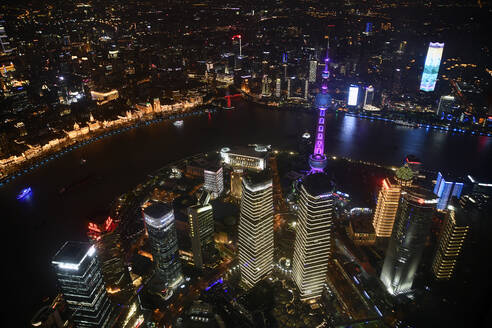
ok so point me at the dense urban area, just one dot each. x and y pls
(256, 235)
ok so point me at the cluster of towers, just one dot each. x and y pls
(313, 243)
(404, 214)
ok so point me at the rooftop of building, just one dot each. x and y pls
(421, 194)
(255, 180)
(318, 184)
(157, 209)
(252, 151)
(404, 173)
(362, 223)
(72, 252)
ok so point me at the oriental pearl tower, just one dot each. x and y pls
(318, 160)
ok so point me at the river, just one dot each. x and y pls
(36, 228)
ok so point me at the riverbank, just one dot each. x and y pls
(73, 144)
(409, 121)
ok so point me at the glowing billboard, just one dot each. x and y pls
(431, 68)
(353, 95)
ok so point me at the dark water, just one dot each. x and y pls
(35, 229)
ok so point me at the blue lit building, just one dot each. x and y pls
(159, 220)
(445, 190)
(81, 283)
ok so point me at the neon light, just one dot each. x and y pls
(24, 193)
(431, 68)
(219, 281)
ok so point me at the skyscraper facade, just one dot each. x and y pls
(407, 242)
(256, 228)
(277, 87)
(313, 243)
(431, 68)
(368, 95)
(214, 180)
(450, 242)
(81, 282)
(159, 221)
(201, 220)
(4, 39)
(236, 183)
(313, 70)
(386, 208)
(445, 190)
(107, 239)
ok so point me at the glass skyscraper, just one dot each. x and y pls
(445, 190)
(159, 220)
(313, 243)
(412, 226)
(201, 220)
(256, 228)
(81, 283)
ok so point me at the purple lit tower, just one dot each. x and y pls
(318, 160)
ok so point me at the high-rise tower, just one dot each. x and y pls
(386, 208)
(313, 243)
(445, 190)
(318, 160)
(213, 177)
(159, 220)
(451, 241)
(256, 228)
(412, 226)
(81, 282)
(201, 220)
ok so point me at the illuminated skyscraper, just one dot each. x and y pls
(445, 190)
(368, 95)
(407, 242)
(256, 228)
(214, 180)
(386, 208)
(450, 242)
(4, 40)
(81, 282)
(431, 68)
(107, 238)
(353, 95)
(313, 243)
(313, 69)
(265, 86)
(289, 82)
(277, 88)
(306, 89)
(201, 220)
(159, 220)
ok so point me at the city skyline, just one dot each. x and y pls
(246, 164)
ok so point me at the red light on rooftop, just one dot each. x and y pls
(410, 162)
(421, 201)
(385, 184)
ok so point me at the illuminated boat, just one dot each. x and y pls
(178, 123)
(24, 193)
